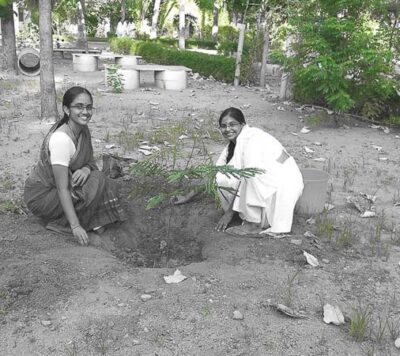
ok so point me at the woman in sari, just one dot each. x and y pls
(65, 188)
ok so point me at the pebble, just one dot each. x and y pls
(135, 342)
(295, 242)
(237, 315)
(397, 343)
(324, 260)
(145, 329)
(150, 290)
(145, 297)
(46, 322)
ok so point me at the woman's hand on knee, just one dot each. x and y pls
(80, 234)
(80, 176)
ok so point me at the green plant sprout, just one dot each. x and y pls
(205, 173)
(114, 78)
(359, 322)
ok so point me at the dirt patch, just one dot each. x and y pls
(167, 236)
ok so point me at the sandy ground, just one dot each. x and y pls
(57, 298)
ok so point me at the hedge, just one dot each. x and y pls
(220, 67)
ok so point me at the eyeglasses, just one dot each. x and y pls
(231, 125)
(82, 107)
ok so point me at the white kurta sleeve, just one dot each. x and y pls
(61, 148)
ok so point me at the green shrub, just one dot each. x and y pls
(341, 62)
(190, 43)
(98, 39)
(115, 79)
(111, 35)
(92, 22)
(197, 43)
(121, 45)
(276, 56)
(221, 68)
(228, 34)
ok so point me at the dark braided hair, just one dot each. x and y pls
(69, 97)
(236, 114)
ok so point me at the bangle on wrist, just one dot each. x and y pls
(74, 226)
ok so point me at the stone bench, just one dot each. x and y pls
(166, 76)
(88, 62)
(75, 50)
(123, 60)
(85, 62)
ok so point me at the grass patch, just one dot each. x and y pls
(359, 322)
(11, 207)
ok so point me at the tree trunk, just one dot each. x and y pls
(8, 41)
(242, 29)
(214, 31)
(123, 10)
(154, 20)
(202, 24)
(265, 54)
(264, 29)
(182, 27)
(81, 41)
(285, 89)
(47, 83)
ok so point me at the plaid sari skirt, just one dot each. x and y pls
(97, 202)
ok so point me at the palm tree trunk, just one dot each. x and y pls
(47, 83)
(154, 20)
(182, 26)
(8, 40)
(81, 41)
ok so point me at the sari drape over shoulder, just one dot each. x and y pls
(270, 196)
(97, 202)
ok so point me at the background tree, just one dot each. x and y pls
(341, 59)
(182, 25)
(214, 32)
(47, 83)
(154, 20)
(81, 40)
(8, 37)
(263, 29)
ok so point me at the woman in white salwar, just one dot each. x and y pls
(266, 200)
